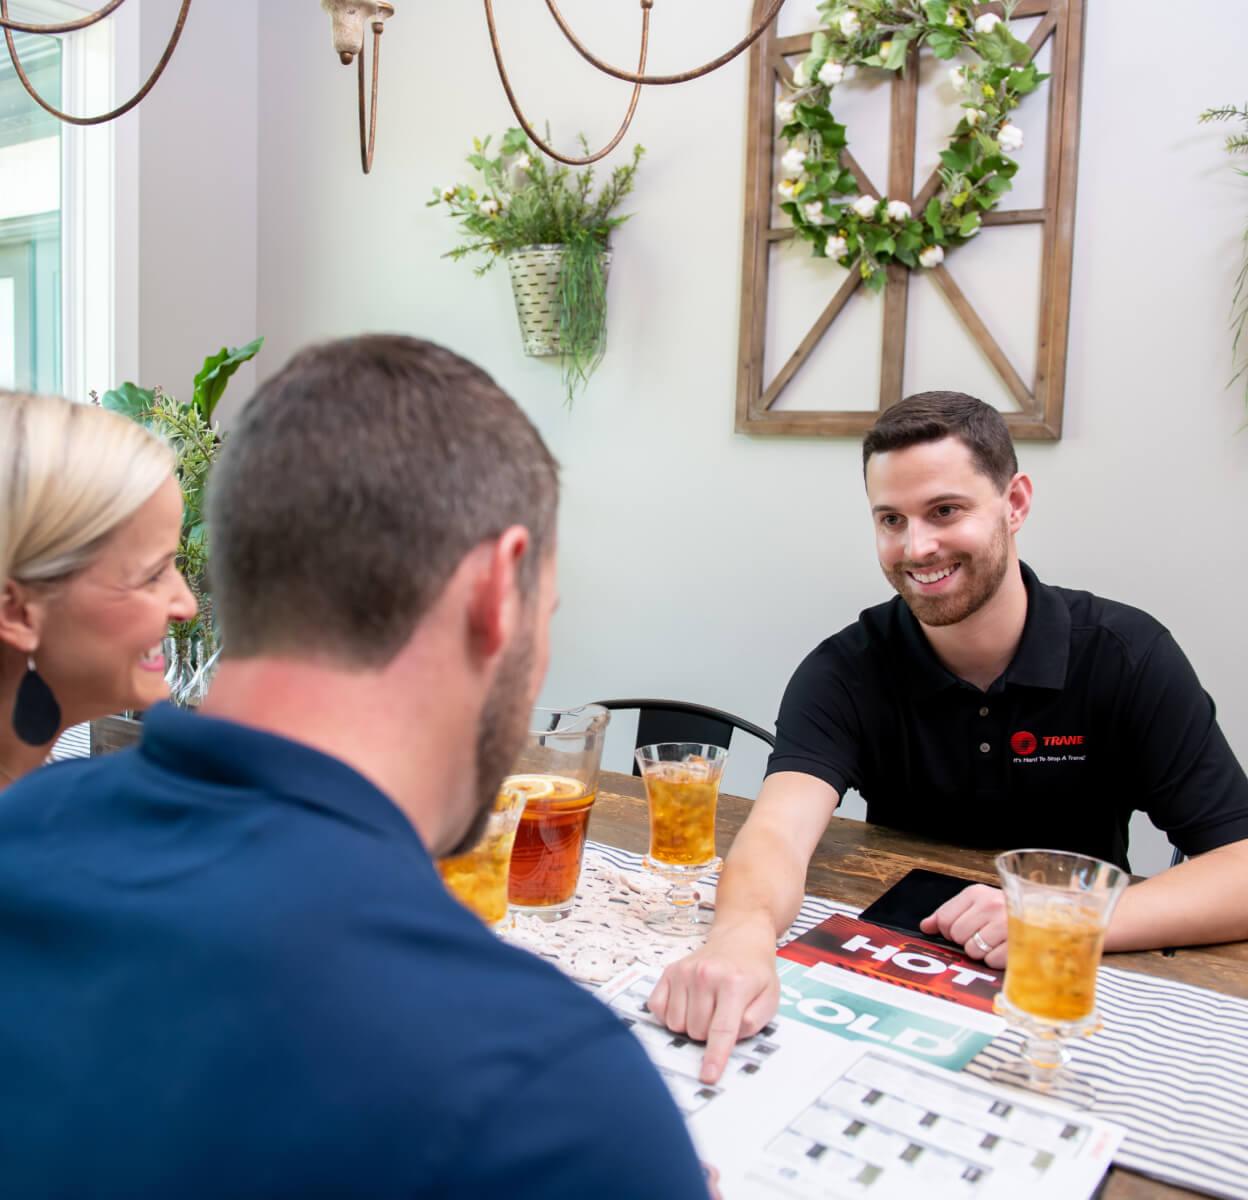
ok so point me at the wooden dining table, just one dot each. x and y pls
(856, 862)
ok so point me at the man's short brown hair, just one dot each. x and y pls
(930, 416)
(352, 486)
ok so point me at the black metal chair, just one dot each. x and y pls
(680, 721)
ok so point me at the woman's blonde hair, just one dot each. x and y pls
(69, 475)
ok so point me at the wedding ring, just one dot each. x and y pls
(979, 941)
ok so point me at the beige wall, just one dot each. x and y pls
(696, 562)
(198, 186)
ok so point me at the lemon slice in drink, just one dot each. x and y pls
(520, 789)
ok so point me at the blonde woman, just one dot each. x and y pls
(89, 519)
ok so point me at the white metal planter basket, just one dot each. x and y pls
(535, 285)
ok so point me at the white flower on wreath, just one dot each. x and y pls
(865, 206)
(801, 75)
(987, 22)
(974, 116)
(931, 256)
(831, 73)
(850, 25)
(959, 78)
(898, 210)
(793, 162)
(787, 189)
(448, 193)
(488, 207)
(814, 212)
(785, 110)
(522, 162)
(836, 247)
(1010, 137)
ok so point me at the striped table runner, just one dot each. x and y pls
(1171, 1066)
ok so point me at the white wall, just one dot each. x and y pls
(197, 193)
(696, 562)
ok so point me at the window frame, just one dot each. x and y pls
(99, 197)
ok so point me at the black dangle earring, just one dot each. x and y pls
(36, 714)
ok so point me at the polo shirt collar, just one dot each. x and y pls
(1044, 652)
(1041, 657)
(215, 751)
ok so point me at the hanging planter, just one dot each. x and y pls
(553, 232)
(536, 272)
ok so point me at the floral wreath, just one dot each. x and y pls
(818, 193)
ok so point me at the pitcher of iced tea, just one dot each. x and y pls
(558, 774)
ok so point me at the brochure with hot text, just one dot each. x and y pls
(897, 958)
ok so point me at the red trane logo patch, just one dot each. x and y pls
(1023, 743)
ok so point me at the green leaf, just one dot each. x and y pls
(937, 11)
(215, 374)
(931, 215)
(514, 141)
(968, 224)
(955, 158)
(819, 45)
(876, 280)
(944, 42)
(896, 56)
(1019, 52)
(993, 49)
(129, 400)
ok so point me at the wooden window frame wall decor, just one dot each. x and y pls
(1040, 406)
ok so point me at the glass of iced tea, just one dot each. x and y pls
(558, 775)
(1058, 907)
(478, 877)
(682, 790)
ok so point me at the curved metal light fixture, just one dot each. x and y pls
(10, 27)
(637, 79)
(351, 19)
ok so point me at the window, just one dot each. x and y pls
(69, 206)
(31, 357)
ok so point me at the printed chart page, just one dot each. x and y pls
(808, 1116)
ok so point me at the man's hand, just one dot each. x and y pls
(975, 919)
(724, 991)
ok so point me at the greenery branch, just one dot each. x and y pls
(192, 432)
(521, 200)
(1236, 143)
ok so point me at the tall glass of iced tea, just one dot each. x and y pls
(682, 790)
(558, 775)
(1058, 906)
(478, 877)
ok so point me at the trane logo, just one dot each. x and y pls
(1025, 743)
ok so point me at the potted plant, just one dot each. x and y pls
(192, 431)
(554, 233)
(1236, 143)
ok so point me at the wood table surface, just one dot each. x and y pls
(856, 862)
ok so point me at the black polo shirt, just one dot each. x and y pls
(1098, 714)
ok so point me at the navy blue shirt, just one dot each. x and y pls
(1099, 714)
(228, 968)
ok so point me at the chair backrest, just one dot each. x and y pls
(680, 721)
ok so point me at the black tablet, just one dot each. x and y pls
(916, 895)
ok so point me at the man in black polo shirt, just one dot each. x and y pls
(229, 966)
(979, 706)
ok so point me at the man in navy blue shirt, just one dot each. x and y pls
(230, 968)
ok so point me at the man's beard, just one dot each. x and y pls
(500, 734)
(982, 576)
